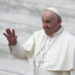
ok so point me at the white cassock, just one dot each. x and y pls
(50, 55)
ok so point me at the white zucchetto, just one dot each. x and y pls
(55, 10)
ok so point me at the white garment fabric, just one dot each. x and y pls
(42, 71)
(42, 55)
(59, 55)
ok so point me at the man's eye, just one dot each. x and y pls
(48, 21)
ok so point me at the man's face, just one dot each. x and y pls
(50, 22)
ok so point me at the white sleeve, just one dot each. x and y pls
(73, 71)
(18, 51)
(23, 51)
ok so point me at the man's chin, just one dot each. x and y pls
(48, 33)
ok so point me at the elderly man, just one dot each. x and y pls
(51, 50)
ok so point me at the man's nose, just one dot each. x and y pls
(44, 25)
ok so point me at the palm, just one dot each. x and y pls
(11, 37)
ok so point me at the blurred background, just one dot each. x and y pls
(25, 17)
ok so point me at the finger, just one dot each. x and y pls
(13, 31)
(8, 31)
(5, 35)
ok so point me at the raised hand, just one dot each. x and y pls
(11, 37)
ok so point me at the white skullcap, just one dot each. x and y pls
(53, 9)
